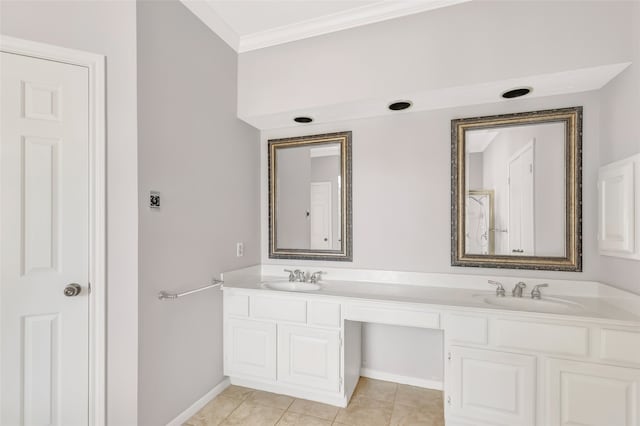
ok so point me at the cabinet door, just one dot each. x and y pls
(250, 349)
(309, 357)
(490, 387)
(585, 394)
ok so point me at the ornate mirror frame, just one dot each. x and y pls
(572, 261)
(345, 253)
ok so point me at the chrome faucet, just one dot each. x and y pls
(499, 288)
(517, 290)
(535, 293)
(296, 275)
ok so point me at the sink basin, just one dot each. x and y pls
(290, 286)
(550, 305)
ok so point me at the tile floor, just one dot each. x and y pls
(374, 403)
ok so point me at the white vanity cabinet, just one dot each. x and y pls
(516, 370)
(285, 344)
(501, 367)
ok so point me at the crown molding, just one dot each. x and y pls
(339, 21)
(211, 19)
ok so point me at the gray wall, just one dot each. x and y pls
(205, 163)
(620, 138)
(107, 28)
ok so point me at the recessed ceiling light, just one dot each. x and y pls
(517, 92)
(303, 119)
(400, 105)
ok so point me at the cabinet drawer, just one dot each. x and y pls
(236, 305)
(385, 314)
(465, 329)
(620, 345)
(324, 314)
(276, 308)
(550, 338)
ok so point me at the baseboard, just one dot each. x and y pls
(405, 380)
(196, 406)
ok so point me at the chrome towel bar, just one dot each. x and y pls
(165, 295)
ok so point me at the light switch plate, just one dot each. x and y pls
(154, 199)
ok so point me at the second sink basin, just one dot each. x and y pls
(290, 286)
(550, 305)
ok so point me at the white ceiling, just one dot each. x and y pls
(253, 24)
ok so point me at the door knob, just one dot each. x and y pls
(326, 239)
(72, 290)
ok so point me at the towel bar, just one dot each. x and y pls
(165, 295)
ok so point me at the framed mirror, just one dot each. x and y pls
(310, 197)
(516, 195)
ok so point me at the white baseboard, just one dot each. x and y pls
(405, 380)
(196, 406)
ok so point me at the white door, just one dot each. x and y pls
(490, 387)
(309, 357)
(320, 226)
(44, 243)
(250, 349)
(585, 394)
(521, 203)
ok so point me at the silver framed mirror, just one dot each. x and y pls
(516, 199)
(310, 197)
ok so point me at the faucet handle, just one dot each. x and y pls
(292, 275)
(315, 277)
(535, 293)
(499, 287)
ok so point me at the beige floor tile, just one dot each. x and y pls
(237, 392)
(415, 397)
(214, 412)
(270, 399)
(365, 412)
(249, 414)
(406, 415)
(297, 419)
(315, 409)
(375, 389)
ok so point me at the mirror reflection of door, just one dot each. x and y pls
(320, 216)
(521, 202)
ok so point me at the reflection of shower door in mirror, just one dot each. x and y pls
(479, 222)
(320, 212)
(521, 202)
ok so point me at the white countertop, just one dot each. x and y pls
(616, 308)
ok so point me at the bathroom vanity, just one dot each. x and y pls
(572, 357)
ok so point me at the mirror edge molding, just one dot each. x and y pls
(345, 254)
(572, 261)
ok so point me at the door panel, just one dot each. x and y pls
(44, 200)
(309, 357)
(491, 387)
(250, 349)
(321, 236)
(587, 394)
